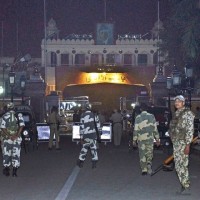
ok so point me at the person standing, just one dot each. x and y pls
(76, 116)
(88, 133)
(116, 119)
(145, 131)
(102, 118)
(11, 126)
(54, 121)
(181, 131)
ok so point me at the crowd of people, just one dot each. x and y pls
(145, 136)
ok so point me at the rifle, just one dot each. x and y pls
(97, 131)
(165, 165)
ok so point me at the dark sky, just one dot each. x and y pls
(72, 16)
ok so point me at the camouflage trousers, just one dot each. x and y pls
(145, 154)
(11, 152)
(181, 163)
(89, 143)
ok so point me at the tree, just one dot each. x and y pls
(181, 37)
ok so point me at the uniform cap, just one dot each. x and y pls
(180, 97)
(10, 105)
(88, 106)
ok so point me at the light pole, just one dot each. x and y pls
(23, 85)
(169, 87)
(4, 88)
(12, 82)
(188, 75)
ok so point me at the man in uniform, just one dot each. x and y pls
(88, 131)
(11, 127)
(145, 131)
(116, 119)
(54, 121)
(181, 132)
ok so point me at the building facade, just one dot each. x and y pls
(75, 54)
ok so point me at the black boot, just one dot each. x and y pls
(80, 163)
(14, 173)
(6, 171)
(94, 164)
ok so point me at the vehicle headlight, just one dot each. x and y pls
(166, 134)
(167, 143)
(26, 136)
(25, 133)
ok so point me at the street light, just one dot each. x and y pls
(12, 82)
(180, 87)
(1, 90)
(176, 77)
(23, 85)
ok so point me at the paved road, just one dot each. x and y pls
(49, 175)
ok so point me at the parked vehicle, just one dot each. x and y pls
(163, 116)
(29, 133)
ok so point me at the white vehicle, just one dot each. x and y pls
(67, 109)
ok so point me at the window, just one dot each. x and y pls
(64, 59)
(53, 59)
(155, 58)
(128, 59)
(113, 59)
(80, 59)
(142, 59)
(94, 59)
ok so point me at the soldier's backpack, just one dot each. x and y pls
(12, 123)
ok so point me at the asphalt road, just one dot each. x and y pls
(49, 175)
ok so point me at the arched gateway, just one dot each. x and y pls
(104, 89)
(106, 95)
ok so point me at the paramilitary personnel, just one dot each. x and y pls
(145, 131)
(11, 126)
(88, 133)
(181, 132)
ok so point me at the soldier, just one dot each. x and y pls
(88, 131)
(116, 119)
(11, 127)
(54, 121)
(145, 131)
(181, 132)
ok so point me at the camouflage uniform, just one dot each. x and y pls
(1, 138)
(11, 147)
(88, 134)
(145, 131)
(181, 132)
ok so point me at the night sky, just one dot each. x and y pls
(72, 16)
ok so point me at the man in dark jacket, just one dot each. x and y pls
(88, 136)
